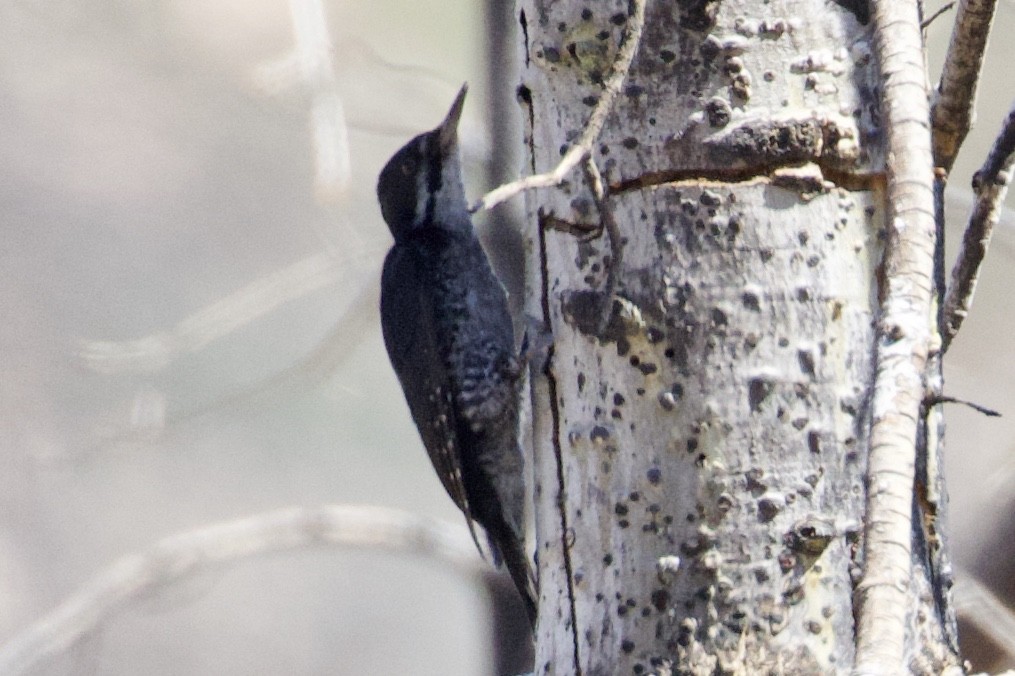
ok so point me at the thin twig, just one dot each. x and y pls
(954, 104)
(989, 412)
(990, 184)
(609, 221)
(179, 556)
(583, 148)
(933, 17)
(903, 344)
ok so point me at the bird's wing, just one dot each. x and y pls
(485, 384)
(411, 337)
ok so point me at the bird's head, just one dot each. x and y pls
(422, 184)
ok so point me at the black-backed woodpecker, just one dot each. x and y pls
(449, 335)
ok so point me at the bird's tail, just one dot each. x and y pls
(508, 547)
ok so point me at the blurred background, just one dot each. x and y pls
(189, 262)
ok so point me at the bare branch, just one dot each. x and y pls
(609, 224)
(903, 344)
(947, 7)
(583, 148)
(179, 556)
(954, 105)
(155, 352)
(990, 184)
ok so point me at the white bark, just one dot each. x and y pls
(699, 464)
(904, 343)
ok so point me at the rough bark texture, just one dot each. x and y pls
(699, 464)
(895, 632)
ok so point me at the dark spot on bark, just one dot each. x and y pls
(698, 15)
(710, 198)
(667, 56)
(587, 14)
(620, 509)
(800, 423)
(754, 483)
(627, 646)
(654, 476)
(751, 301)
(814, 441)
(590, 100)
(630, 143)
(602, 35)
(608, 560)
(618, 19)
(768, 509)
(767, 143)
(599, 434)
(623, 523)
(757, 391)
(806, 360)
(634, 496)
(552, 54)
(692, 445)
(719, 317)
(616, 415)
(634, 360)
(648, 369)
(581, 382)
(859, 8)
(618, 399)
(633, 90)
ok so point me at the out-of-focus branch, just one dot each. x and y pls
(990, 184)
(953, 109)
(260, 297)
(978, 606)
(178, 556)
(583, 148)
(903, 344)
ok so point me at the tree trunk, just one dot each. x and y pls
(699, 463)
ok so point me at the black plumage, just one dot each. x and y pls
(449, 335)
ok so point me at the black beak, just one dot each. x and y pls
(448, 130)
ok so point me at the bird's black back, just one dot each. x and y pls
(448, 332)
(449, 335)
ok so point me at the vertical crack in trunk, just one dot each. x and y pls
(557, 451)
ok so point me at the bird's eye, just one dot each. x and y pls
(408, 166)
